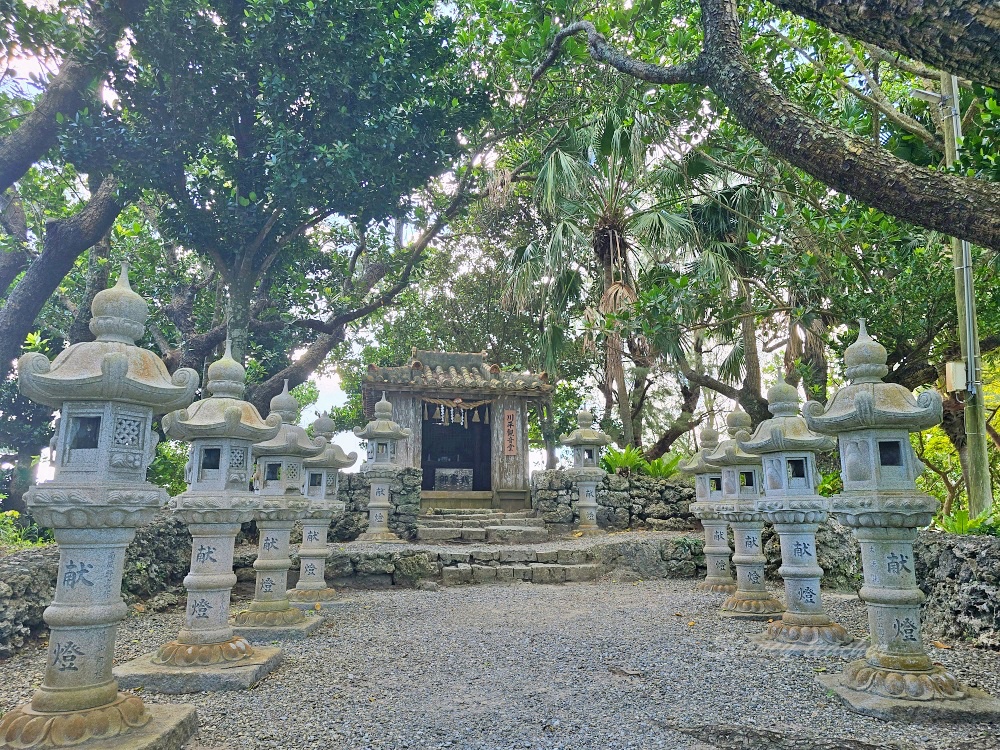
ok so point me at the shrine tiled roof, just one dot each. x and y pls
(453, 372)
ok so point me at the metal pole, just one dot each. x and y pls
(979, 486)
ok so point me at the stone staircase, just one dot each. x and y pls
(450, 526)
(519, 564)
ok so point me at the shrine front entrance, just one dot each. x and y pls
(456, 457)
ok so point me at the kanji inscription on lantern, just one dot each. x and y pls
(267, 585)
(200, 609)
(721, 564)
(64, 656)
(719, 535)
(905, 629)
(270, 543)
(77, 573)
(807, 594)
(310, 569)
(510, 432)
(896, 564)
(753, 576)
(380, 516)
(379, 491)
(205, 554)
(312, 535)
(750, 542)
(589, 493)
(802, 549)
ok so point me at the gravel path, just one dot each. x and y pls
(611, 665)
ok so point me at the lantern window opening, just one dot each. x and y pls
(890, 453)
(211, 458)
(796, 468)
(715, 484)
(315, 479)
(85, 433)
(747, 480)
(272, 472)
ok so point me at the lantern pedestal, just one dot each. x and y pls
(804, 629)
(311, 592)
(751, 600)
(78, 703)
(718, 578)
(206, 655)
(587, 481)
(270, 614)
(379, 508)
(897, 679)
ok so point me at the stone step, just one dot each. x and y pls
(433, 523)
(451, 534)
(516, 534)
(535, 572)
(465, 513)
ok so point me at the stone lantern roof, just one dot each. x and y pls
(333, 457)
(728, 453)
(382, 427)
(786, 430)
(291, 440)
(585, 434)
(868, 403)
(709, 438)
(112, 368)
(223, 414)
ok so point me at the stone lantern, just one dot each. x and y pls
(221, 429)
(321, 489)
(741, 485)
(882, 505)
(586, 472)
(280, 481)
(107, 392)
(380, 468)
(708, 491)
(788, 450)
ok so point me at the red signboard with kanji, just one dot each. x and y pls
(510, 432)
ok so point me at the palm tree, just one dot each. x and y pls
(599, 191)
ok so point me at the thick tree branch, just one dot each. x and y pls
(958, 36)
(959, 206)
(65, 240)
(66, 91)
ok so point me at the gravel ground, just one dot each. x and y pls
(615, 664)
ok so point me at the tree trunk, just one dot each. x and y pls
(97, 279)
(21, 478)
(66, 92)
(546, 421)
(957, 36)
(953, 425)
(685, 422)
(65, 240)
(640, 377)
(238, 317)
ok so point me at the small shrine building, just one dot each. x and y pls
(469, 426)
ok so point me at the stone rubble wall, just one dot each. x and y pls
(635, 502)
(354, 490)
(960, 576)
(155, 562)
